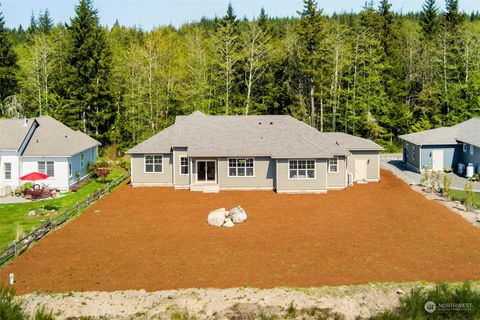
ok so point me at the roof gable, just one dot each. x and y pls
(13, 132)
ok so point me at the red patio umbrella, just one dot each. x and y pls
(34, 176)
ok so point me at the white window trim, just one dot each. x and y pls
(306, 178)
(465, 148)
(471, 150)
(180, 166)
(46, 168)
(145, 163)
(196, 171)
(237, 176)
(5, 171)
(338, 164)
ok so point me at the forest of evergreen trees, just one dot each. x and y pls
(376, 73)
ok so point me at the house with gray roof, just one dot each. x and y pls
(43, 145)
(269, 152)
(445, 147)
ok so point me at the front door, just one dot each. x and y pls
(360, 169)
(206, 171)
(437, 159)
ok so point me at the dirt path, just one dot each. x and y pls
(236, 303)
(158, 239)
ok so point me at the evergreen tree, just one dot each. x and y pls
(313, 55)
(227, 56)
(45, 22)
(89, 74)
(32, 28)
(263, 20)
(429, 19)
(8, 64)
(453, 17)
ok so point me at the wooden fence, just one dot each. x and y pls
(21, 245)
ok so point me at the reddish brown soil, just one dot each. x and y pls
(158, 238)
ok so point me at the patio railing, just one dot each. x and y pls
(24, 243)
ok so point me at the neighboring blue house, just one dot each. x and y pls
(43, 145)
(444, 147)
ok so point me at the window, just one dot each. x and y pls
(47, 167)
(183, 165)
(240, 167)
(153, 163)
(471, 150)
(333, 165)
(301, 169)
(82, 164)
(7, 172)
(464, 147)
(414, 153)
(69, 170)
(406, 151)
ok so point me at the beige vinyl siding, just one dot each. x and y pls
(373, 165)
(142, 178)
(337, 179)
(263, 171)
(180, 180)
(284, 184)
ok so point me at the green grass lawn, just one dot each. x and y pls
(459, 195)
(11, 214)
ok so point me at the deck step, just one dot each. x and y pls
(205, 188)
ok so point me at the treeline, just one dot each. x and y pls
(375, 74)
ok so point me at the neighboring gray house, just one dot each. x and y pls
(272, 152)
(443, 147)
(43, 145)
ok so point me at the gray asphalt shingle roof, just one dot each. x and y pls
(50, 138)
(277, 136)
(12, 133)
(467, 131)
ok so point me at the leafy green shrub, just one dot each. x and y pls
(448, 170)
(451, 303)
(291, 310)
(27, 185)
(182, 315)
(446, 190)
(266, 316)
(123, 164)
(43, 314)
(468, 200)
(11, 308)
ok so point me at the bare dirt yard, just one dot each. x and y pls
(158, 239)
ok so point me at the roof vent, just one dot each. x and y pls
(337, 143)
(271, 123)
(260, 123)
(25, 122)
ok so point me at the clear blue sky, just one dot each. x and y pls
(150, 13)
